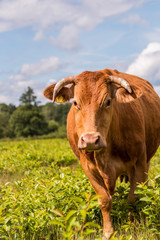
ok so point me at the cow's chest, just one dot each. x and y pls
(114, 166)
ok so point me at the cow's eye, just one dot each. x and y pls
(108, 102)
(75, 104)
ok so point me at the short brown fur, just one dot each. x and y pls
(130, 127)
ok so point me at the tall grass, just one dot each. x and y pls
(44, 194)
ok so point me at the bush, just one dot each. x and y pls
(27, 121)
(53, 126)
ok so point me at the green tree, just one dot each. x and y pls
(11, 108)
(27, 121)
(52, 126)
(5, 113)
(4, 118)
(49, 111)
(61, 113)
(57, 112)
(28, 97)
(7, 108)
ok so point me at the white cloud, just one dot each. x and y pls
(38, 88)
(68, 38)
(68, 18)
(39, 36)
(7, 92)
(17, 83)
(134, 19)
(4, 99)
(51, 81)
(154, 35)
(157, 89)
(46, 65)
(12, 90)
(17, 77)
(146, 65)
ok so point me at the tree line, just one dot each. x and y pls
(31, 119)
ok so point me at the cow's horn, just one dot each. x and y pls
(121, 82)
(63, 82)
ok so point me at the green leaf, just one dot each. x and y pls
(70, 214)
(83, 213)
(92, 205)
(70, 223)
(91, 224)
(94, 197)
(58, 212)
(77, 199)
(56, 222)
(88, 231)
(146, 199)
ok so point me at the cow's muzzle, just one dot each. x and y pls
(91, 141)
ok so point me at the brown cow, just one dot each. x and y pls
(113, 128)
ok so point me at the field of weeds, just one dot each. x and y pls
(44, 194)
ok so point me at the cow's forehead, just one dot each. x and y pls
(91, 85)
(90, 77)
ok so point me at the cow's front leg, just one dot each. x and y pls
(100, 188)
(105, 206)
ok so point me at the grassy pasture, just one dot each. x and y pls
(44, 194)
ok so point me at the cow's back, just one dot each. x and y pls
(142, 115)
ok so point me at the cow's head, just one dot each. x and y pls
(94, 94)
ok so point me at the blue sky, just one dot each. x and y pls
(43, 41)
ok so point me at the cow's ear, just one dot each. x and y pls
(64, 95)
(122, 95)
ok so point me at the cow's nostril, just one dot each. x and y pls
(91, 141)
(82, 139)
(83, 142)
(97, 140)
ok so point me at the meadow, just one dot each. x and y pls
(44, 195)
